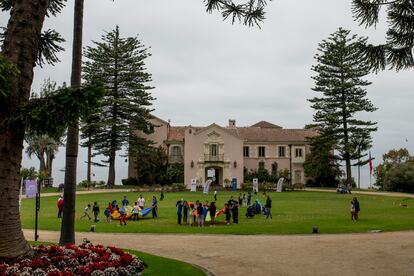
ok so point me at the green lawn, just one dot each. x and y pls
(293, 213)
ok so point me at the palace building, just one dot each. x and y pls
(221, 153)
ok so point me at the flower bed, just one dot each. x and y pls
(69, 260)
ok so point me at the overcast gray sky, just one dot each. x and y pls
(206, 70)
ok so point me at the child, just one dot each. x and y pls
(60, 206)
(107, 214)
(122, 217)
(125, 201)
(95, 210)
(191, 214)
(244, 200)
(86, 212)
(135, 211)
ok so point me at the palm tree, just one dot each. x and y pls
(67, 230)
(20, 46)
(44, 147)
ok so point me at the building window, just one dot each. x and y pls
(282, 151)
(176, 151)
(298, 152)
(246, 151)
(213, 150)
(262, 152)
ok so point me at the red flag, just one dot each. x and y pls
(370, 164)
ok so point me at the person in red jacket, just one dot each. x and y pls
(60, 206)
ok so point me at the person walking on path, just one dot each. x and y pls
(86, 212)
(95, 210)
(154, 205)
(212, 209)
(135, 212)
(179, 206)
(60, 206)
(141, 202)
(268, 207)
(200, 212)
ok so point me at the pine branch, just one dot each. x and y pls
(249, 13)
(48, 47)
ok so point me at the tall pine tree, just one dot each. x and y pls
(340, 70)
(119, 64)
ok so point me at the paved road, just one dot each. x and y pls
(375, 254)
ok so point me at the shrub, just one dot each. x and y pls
(86, 184)
(130, 181)
(74, 260)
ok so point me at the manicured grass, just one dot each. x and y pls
(293, 213)
(155, 265)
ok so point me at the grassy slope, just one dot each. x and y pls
(293, 213)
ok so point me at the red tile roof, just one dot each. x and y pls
(254, 134)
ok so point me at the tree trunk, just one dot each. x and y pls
(67, 232)
(42, 167)
(20, 48)
(88, 174)
(111, 173)
(49, 163)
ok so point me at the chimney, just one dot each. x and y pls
(232, 124)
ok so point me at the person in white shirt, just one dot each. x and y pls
(141, 202)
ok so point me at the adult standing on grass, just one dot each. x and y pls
(355, 204)
(235, 212)
(200, 212)
(154, 205)
(179, 206)
(60, 206)
(162, 193)
(95, 210)
(185, 211)
(141, 202)
(212, 211)
(249, 198)
(268, 207)
(215, 195)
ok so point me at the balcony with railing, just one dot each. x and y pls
(176, 158)
(213, 158)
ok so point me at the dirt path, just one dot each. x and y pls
(393, 194)
(376, 254)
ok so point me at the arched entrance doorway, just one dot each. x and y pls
(215, 174)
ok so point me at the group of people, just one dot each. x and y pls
(113, 206)
(191, 213)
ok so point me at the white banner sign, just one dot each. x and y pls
(193, 185)
(207, 186)
(255, 185)
(279, 186)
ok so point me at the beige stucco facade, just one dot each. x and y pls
(222, 153)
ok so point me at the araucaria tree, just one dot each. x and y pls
(397, 51)
(338, 79)
(119, 64)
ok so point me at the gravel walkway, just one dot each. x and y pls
(390, 253)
